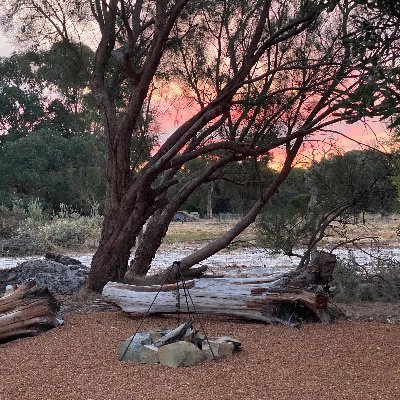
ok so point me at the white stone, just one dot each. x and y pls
(219, 349)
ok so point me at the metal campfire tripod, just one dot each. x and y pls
(180, 285)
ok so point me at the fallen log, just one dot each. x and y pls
(27, 311)
(247, 298)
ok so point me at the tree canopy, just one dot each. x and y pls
(334, 190)
(263, 75)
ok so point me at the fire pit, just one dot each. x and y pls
(180, 347)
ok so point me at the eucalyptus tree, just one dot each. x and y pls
(333, 191)
(46, 89)
(21, 99)
(263, 75)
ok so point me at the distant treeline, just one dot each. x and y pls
(52, 149)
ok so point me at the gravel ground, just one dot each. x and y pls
(345, 360)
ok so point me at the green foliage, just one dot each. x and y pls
(356, 283)
(373, 43)
(235, 191)
(334, 189)
(67, 233)
(35, 210)
(20, 229)
(28, 232)
(10, 221)
(22, 103)
(286, 223)
(70, 230)
(360, 178)
(54, 169)
(26, 244)
(47, 90)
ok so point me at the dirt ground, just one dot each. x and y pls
(345, 360)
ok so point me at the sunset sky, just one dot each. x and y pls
(372, 133)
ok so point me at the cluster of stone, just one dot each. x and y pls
(191, 349)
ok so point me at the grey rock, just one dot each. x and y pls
(157, 334)
(136, 352)
(199, 339)
(138, 348)
(180, 354)
(140, 338)
(216, 349)
(183, 216)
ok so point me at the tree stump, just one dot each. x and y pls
(27, 311)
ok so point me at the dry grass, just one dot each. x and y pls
(383, 227)
(204, 230)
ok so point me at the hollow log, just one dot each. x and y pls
(27, 311)
(246, 298)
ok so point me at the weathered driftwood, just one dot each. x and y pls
(173, 336)
(170, 275)
(246, 298)
(296, 296)
(27, 311)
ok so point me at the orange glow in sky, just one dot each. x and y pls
(174, 107)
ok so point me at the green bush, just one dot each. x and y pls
(11, 220)
(355, 283)
(28, 233)
(35, 210)
(74, 231)
(24, 245)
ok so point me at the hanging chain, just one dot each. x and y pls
(188, 297)
(178, 303)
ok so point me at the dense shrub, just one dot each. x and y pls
(74, 231)
(11, 220)
(24, 245)
(356, 283)
(29, 232)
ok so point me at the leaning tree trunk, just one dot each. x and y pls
(153, 235)
(171, 274)
(120, 228)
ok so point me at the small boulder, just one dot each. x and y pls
(139, 354)
(217, 349)
(138, 349)
(180, 354)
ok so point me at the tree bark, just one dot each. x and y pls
(110, 260)
(218, 244)
(153, 235)
(132, 199)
